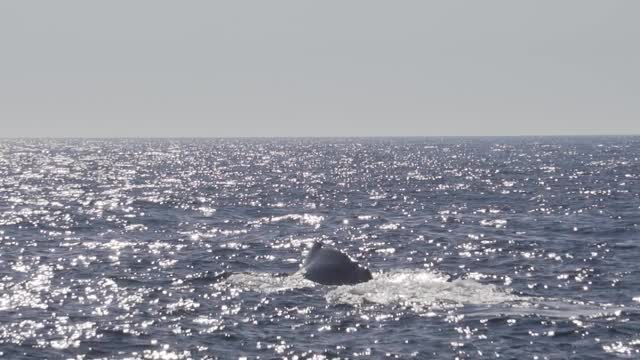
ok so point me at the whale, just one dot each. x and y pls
(328, 266)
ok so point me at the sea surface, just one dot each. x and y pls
(510, 248)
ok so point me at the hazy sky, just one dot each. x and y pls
(319, 68)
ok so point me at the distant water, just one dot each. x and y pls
(511, 248)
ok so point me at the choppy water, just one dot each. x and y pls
(480, 248)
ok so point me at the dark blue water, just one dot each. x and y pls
(481, 248)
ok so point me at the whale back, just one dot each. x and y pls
(331, 267)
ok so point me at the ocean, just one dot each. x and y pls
(480, 248)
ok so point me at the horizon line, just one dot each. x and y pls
(317, 136)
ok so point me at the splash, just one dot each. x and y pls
(420, 290)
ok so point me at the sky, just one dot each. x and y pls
(155, 68)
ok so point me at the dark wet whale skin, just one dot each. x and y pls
(328, 266)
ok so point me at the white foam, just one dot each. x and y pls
(424, 291)
(420, 290)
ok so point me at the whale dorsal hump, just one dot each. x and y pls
(329, 266)
(313, 252)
